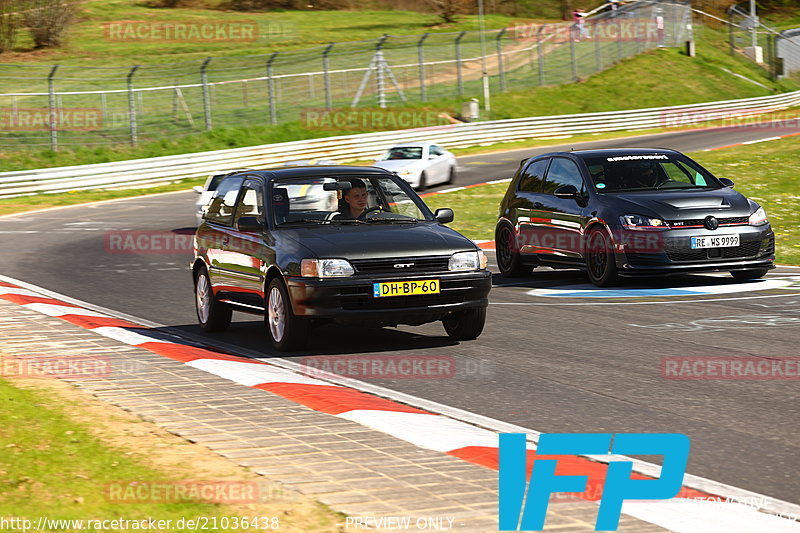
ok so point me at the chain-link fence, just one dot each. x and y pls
(776, 52)
(52, 106)
(787, 49)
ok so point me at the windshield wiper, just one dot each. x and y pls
(303, 220)
(393, 220)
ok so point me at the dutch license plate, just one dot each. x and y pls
(716, 241)
(405, 288)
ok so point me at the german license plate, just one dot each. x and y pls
(405, 288)
(716, 241)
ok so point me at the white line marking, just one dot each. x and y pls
(585, 290)
(251, 374)
(61, 310)
(128, 337)
(665, 302)
(443, 191)
(762, 140)
(14, 290)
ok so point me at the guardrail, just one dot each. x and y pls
(371, 145)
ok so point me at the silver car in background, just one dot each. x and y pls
(421, 164)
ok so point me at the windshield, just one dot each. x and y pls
(650, 172)
(404, 152)
(369, 200)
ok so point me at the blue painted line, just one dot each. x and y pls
(626, 293)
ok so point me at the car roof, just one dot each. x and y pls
(318, 170)
(420, 144)
(612, 152)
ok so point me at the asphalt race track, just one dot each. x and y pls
(557, 355)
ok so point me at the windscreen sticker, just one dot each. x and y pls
(637, 157)
(601, 185)
(699, 179)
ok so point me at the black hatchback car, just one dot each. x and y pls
(629, 212)
(308, 245)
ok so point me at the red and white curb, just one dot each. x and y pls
(705, 513)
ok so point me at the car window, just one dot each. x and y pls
(533, 176)
(404, 152)
(646, 172)
(224, 201)
(251, 203)
(562, 172)
(435, 150)
(214, 183)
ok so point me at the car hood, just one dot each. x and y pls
(396, 165)
(379, 241)
(679, 205)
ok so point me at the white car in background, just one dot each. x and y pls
(420, 164)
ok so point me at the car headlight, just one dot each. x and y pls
(462, 261)
(759, 218)
(642, 223)
(325, 268)
(406, 172)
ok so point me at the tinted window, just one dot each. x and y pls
(404, 152)
(252, 201)
(435, 150)
(642, 172)
(533, 176)
(562, 172)
(224, 201)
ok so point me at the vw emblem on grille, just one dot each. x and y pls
(711, 223)
(403, 265)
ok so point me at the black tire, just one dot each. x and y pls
(465, 325)
(506, 251)
(752, 273)
(293, 333)
(600, 260)
(451, 178)
(212, 314)
(423, 182)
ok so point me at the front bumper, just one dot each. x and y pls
(351, 298)
(669, 251)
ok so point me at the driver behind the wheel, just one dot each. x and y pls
(354, 199)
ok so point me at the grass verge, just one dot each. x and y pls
(63, 451)
(765, 172)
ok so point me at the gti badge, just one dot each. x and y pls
(711, 223)
(403, 265)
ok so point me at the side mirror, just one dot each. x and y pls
(249, 224)
(726, 182)
(567, 192)
(198, 189)
(444, 215)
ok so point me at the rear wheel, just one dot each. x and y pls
(451, 177)
(465, 325)
(600, 262)
(212, 314)
(423, 182)
(753, 273)
(508, 257)
(286, 331)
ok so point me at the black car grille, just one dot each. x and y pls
(400, 302)
(700, 222)
(746, 249)
(415, 264)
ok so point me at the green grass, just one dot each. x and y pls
(766, 173)
(278, 30)
(52, 466)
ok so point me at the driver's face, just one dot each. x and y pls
(356, 199)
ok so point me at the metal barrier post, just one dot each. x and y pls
(52, 109)
(540, 53)
(598, 54)
(500, 68)
(380, 65)
(206, 101)
(619, 39)
(132, 107)
(326, 76)
(273, 112)
(421, 62)
(458, 63)
(572, 60)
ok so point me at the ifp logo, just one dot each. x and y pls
(524, 510)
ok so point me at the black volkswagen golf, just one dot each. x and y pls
(309, 245)
(629, 212)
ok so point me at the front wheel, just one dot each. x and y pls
(451, 177)
(286, 331)
(423, 182)
(465, 325)
(752, 273)
(212, 314)
(600, 262)
(509, 260)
